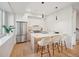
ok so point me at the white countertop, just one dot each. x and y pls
(43, 35)
(5, 38)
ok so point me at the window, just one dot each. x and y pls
(3, 21)
(6, 18)
(0, 21)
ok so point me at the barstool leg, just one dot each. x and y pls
(37, 48)
(61, 47)
(65, 45)
(58, 47)
(53, 48)
(48, 49)
(41, 51)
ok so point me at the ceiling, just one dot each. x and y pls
(37, 7)
(5, 6)
(34, 7)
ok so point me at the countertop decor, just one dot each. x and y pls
(8, 29)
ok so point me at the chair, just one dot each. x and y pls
(55, 41)
(44, 42)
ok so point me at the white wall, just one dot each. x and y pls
(63, 24)
(63, 19)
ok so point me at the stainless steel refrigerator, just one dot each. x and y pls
(21, 31)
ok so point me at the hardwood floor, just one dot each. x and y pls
(24, 50)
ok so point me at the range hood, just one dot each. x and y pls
(35, 16)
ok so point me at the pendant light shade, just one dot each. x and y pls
(42, 15)
(56, 18)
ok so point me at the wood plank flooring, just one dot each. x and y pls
(24, 50)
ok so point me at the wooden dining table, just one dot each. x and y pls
(36, 37)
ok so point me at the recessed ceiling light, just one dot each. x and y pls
(42, 2)
(56, 7)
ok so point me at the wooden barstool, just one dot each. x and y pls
(42, 44)
(63, 42)
(55, 41)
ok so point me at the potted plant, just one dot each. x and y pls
(8, 29)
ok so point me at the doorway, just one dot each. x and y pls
(77, 28)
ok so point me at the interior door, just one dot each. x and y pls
(74, 27)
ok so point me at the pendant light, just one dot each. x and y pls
(42, 13)
(56, 16)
